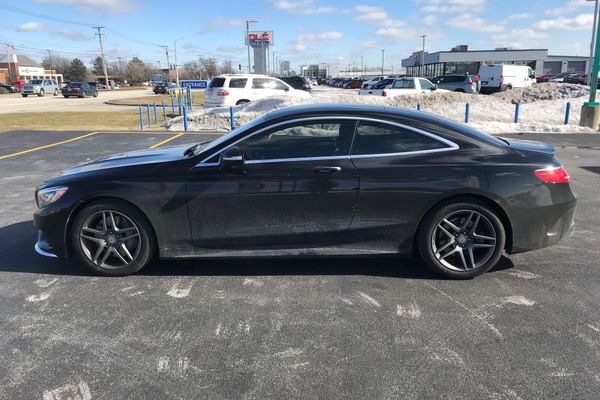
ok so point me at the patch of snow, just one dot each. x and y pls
(542, 108)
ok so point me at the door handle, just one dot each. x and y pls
(326, 170)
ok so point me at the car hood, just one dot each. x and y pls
(141, 157)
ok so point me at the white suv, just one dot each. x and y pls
(232, 90)
(40, 87)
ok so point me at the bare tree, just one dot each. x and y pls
(136, 71)
(227, 67)
(209, 68)
(60, 64)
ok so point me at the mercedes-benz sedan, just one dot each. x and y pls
(314, 180)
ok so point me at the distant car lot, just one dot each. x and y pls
(271, 329)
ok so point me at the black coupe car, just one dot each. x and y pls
(314, 180)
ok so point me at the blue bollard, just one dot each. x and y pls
(148, 110)
(231, 117)
(172, 105)
(141, 119)
(191, 100)
(517, 108)
(567, 113)
(467, 111)
(418, 107)
(164, 111)
(155, 115)
(179, 103)
(185, 121)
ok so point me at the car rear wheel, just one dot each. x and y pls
(96, 93)
(82, 95)
(112, 238)
(56, 92)
(41, 93)
(24, 95)
(66, 97)
(240, 102)
(461, 240)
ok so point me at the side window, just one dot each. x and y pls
(300, 140)
(403, 84)
(260, 83)
(378, 138)
(277, 85)
(425, 84)
(238, 83)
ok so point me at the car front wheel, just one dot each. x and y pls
(112, 238)
(461, 240)
(56, 92)
(41, 93)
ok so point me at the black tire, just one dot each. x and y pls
(427, 238)
(96, 93)
(240, 102)
(24, 95)
(42, 93)
(82, 95)
(56, 92)
(459, 90)
(66, 97)
(147, 241)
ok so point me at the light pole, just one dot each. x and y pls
(274, 66)
(158, 63)
(423, 56)
(248, 22)
(592, 44)
(382, 60)
(176, 66)
(590, 111)
(362, 67)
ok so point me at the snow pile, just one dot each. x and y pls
(542, 109)
(543, 91)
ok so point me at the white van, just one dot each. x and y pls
(501, 77)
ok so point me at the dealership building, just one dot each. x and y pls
(320, 71)
(460, 60)
(14, 67)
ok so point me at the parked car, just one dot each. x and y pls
(162, 87)
(578, 79)
(542, 78)
(79, 89)
(297, 82)
(10, 88)
(372, 82)
(560, 78)
(403, 87)
(329, 180)
(501, 77)
(355, 84)
(383, 84)
(457, 83)
(229, 90)
(40, 87)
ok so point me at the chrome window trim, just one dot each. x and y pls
(451, 145)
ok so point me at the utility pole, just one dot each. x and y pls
(362, 66)
(50, 61)
(168, 63)
(382, 60)
(176, 66)
(120, 68)
(423, 56)
(100, 34)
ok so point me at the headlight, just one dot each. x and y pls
(50, 195)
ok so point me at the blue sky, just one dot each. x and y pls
(306, 31)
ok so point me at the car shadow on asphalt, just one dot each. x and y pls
(17, 255)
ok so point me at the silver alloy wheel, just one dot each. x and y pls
(463, 240)
(110, 239)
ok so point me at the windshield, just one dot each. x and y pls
(36, 82)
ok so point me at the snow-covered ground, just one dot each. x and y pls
(542, 108)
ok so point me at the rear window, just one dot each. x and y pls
(238, 83)
(217, 83)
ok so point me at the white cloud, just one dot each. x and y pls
(71, 34)
(302, 7)
(301, 43)
(106, 7)
(582, 21)
(519, 16)
(370, 13)
(397, 33)
(231, 49)
(452, 6)
(472, 23)
(369, 44)
(519, 38)
(569, 7)
(429, 20)
(32, 27)
(219, 23)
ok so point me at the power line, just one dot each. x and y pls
(18, 10)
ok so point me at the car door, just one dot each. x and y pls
(401, 170)
(426, 86)
(297, 186)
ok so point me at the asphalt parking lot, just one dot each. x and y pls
(370, 328)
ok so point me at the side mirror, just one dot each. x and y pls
(232, 159)
(434, 87)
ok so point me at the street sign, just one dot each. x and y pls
(157, 78)
(194, 84)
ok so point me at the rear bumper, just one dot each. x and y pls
(544, 226)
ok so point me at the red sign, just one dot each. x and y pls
(264, 38)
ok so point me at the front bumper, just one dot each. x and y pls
(52, 236)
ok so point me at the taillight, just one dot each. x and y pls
(472, 83)
(553, 175)
(384, 93)
(222, 93)
(501, 79)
